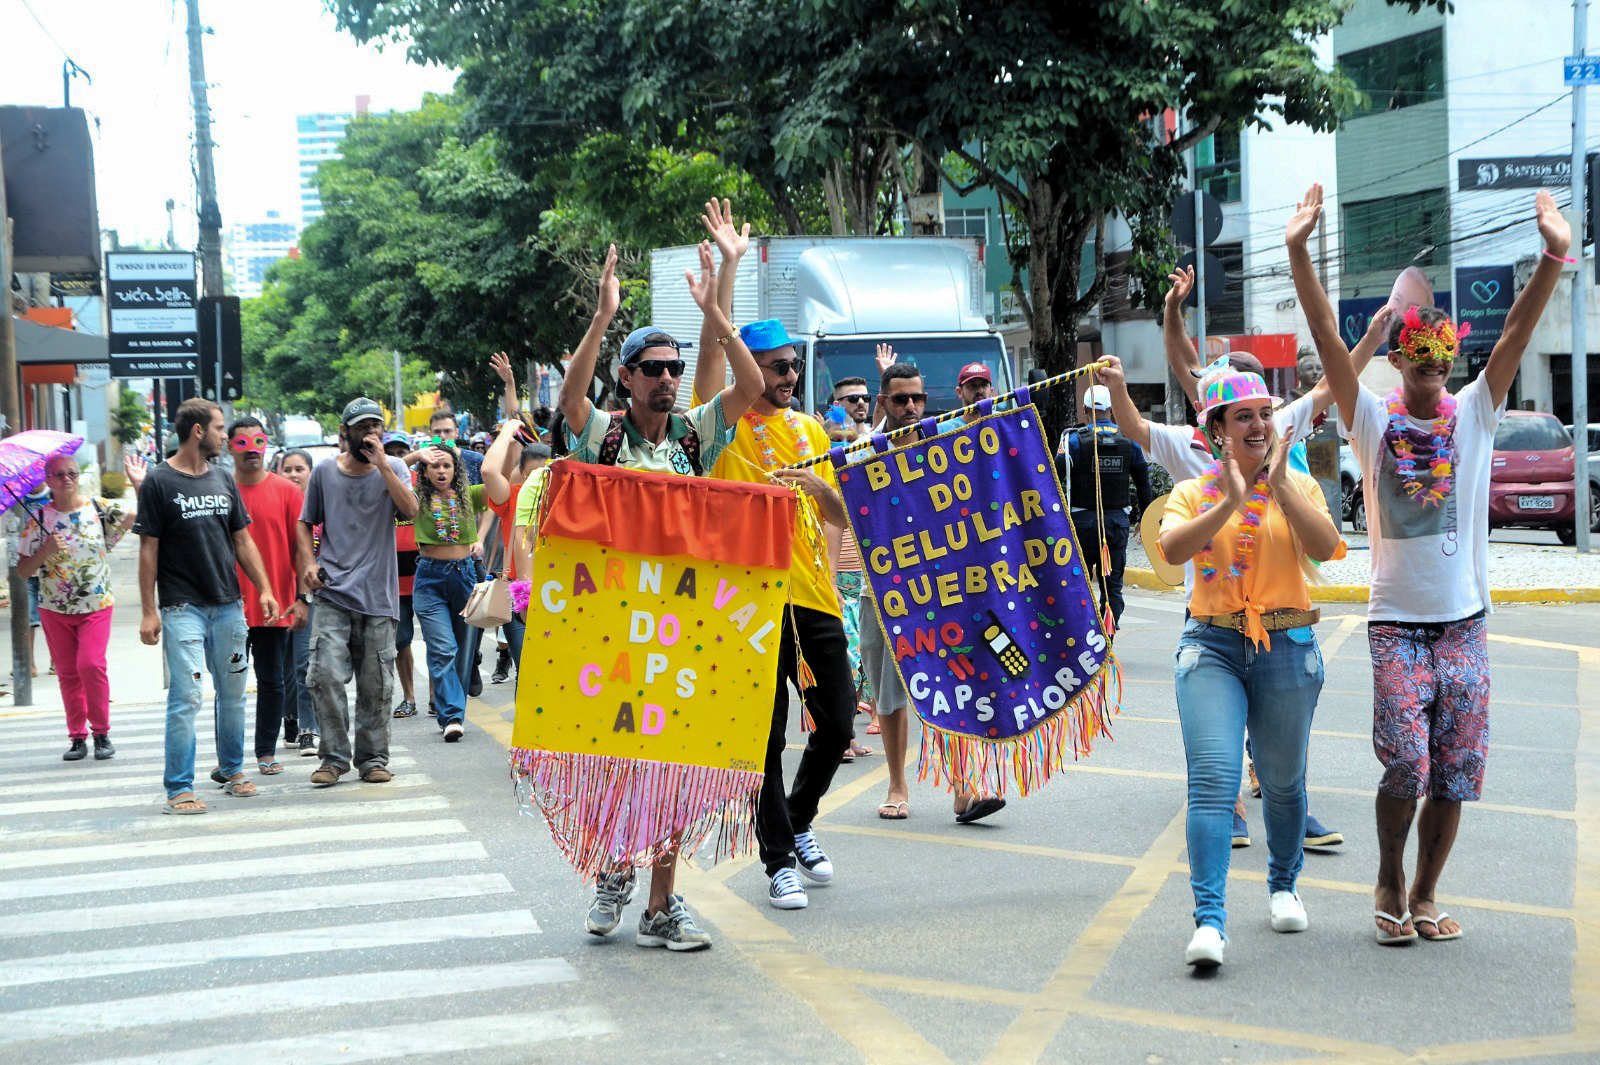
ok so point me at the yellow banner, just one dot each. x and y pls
(663, 659)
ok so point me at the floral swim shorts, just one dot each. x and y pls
(1430, 713)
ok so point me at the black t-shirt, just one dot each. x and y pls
(195, 519)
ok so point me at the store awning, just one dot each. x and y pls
(46, 343)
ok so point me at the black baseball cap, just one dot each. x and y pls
(360, 409)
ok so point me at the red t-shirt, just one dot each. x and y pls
(506, 512)
(274, 509)
(405, 547)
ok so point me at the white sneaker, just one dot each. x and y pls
(1288, 912)
(1205, 948)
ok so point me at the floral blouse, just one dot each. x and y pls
(78, 579)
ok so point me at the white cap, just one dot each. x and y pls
(1097, 397)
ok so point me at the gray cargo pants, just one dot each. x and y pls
(346, 644)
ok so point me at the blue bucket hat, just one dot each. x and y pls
(647, 336)
(766, 336)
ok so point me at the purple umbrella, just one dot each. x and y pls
(22, 461)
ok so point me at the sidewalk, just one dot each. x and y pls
(1518, 573)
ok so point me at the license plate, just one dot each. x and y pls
(1536, 502)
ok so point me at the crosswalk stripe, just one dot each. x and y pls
(17, 742)
(89, 964)
(222, 844)
(456, 1035)
(97, 802)
(303, 864)
(317, 992)
(337, 805)
(53, 782)
(284, 900)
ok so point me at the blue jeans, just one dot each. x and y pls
(296, 694)
(1223, 684)
(438, 594)
(198, 638)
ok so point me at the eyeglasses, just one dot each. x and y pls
(902, 399)
(858, 397)
(63, 475)
(782, 367)
(657, 367)
(250, 442)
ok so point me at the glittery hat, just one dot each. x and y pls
(1231, 386)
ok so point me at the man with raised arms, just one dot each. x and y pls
(1425, 458)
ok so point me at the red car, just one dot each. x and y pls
(1530, 476)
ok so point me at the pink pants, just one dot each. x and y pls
(77, 645)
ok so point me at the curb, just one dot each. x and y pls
(1357, 593)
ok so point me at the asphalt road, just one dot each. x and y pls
(426, 919)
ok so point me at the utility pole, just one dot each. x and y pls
(1580, 301)
(210, 245)
(11, 411)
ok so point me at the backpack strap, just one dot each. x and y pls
(611, 446)
(100, 509)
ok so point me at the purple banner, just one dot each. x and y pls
(969, 550)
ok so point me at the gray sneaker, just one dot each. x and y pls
(673, 928)
(612, 891)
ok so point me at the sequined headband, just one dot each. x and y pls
(1420, 342)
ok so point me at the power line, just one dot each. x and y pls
(46, 31)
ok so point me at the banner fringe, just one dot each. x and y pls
(974, 766)
(605, 813)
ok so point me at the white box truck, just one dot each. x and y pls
(843, 296)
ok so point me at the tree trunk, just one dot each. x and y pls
(833, 196)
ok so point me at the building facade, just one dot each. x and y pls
(317, 138)
(256, 245)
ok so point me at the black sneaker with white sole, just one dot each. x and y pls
(813, 863)
(785, 892)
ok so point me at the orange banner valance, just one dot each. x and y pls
(665, 514)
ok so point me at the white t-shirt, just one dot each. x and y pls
(1429, 563)
(1181, 450)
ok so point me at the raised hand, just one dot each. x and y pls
(134, 467)
(610, 291)
(1234, 490)
(1304, 221)
(1553, 226)
(885, 357)
(1182, 283)
(501, 365)
(1378, 325)
(718, 219)
(704, 289)
(1110, 374)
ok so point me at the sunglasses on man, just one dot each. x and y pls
(782, 367)
(901, 399)
(855, 397)
(657, 367)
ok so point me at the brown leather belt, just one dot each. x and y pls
(1272, 620)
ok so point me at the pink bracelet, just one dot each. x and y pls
(1559, 258)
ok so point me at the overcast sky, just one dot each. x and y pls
(265, 63)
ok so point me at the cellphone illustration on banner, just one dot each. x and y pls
(1004, 647)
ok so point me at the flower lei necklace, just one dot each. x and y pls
(446, 521)
(1441, 434)
(1245, 542)
(769, 455)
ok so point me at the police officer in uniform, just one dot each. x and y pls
(1124, 476)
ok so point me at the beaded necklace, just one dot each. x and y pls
(1441, 434)
(1245, 543)
(446, 520)
(768, 454)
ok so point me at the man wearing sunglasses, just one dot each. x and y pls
(769, 438)
(851, 394)
(273, 503)
(648, 436)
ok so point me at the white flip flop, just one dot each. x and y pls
(1388, 940)
(1441, 937)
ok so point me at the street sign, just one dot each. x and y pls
(1182, 219)
(1214, 282)
(1580, 70)
(153, 310)
(1484, 295)
(220, 332)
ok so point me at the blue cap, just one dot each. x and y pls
(646, 336)
(766, 336)
(393, 437)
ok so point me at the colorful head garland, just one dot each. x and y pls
(1421, 342)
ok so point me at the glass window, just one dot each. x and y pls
(1396, 74)
(1395, 231)
(939, 358)
(967, 222)
(1218, 164)
(1534, 433)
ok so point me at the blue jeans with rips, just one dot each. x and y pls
(439, 592)
(198, 638)
(1223, 685)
